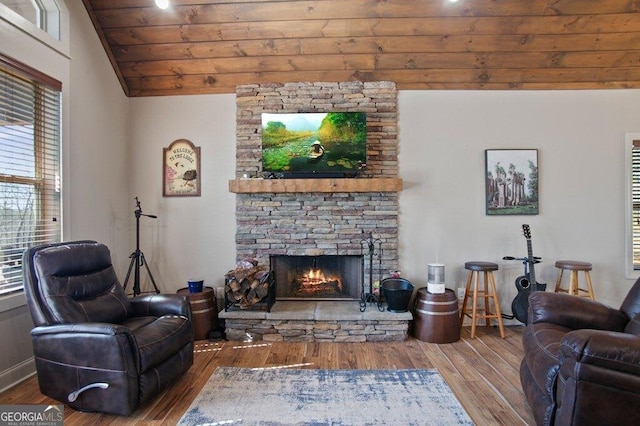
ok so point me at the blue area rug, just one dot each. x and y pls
(255, 396)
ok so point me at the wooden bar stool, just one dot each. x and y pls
(485, 312)
(574, 266)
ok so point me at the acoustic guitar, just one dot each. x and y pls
(526, 284)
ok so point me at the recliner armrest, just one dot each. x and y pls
(96, 345)
(158, 305)
(598, 378)
(605, 349)
(81, 328)
(574, 312)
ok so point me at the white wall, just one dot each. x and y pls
(97, 170)
(443, 135)
(579, 135)
(192, 236)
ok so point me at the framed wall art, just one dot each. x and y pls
(511, 181)
(181, 169)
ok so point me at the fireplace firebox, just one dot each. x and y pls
(326, 277)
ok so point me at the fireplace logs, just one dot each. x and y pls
(247, 284)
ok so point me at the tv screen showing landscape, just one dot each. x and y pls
(314, 143)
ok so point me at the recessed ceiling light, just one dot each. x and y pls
(162, 4)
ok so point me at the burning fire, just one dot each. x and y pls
(315, 277)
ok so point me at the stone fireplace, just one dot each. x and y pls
(309, 221)
(318, 220)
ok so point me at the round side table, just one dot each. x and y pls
(203, 311)
(436, 316)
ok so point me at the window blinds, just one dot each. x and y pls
(30, 192)
(635, 197)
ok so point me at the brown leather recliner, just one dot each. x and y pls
(581, 361)
(95, 349)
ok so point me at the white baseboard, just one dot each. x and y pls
(17, 373)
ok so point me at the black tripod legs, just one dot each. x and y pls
(137, 260)
(134, 260)
(146, 265)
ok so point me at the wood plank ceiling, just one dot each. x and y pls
(200, 46)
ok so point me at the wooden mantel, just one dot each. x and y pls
(248, 186)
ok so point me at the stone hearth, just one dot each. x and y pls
(319, 321)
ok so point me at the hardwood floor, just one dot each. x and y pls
(482, 372)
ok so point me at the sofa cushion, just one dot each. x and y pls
(161, 338)
(633, 327)
(541, 344)
(542, 404)
(135, 323)
(574, 312)
(631, 303)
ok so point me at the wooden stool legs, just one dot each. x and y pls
(574, 266)
(487, 293)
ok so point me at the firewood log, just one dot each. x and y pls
(262, 290)
(241, 273)
(251, 298)
(261, 275)
(234, 285)
(245, 285)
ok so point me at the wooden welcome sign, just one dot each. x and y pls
(181, 169)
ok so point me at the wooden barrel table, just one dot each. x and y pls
(436, 317)
(203, 311)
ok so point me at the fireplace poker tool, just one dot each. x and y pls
(137, 257)
(370, 297)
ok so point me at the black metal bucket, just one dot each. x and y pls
(397, 293)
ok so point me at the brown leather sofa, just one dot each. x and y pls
(581, 361)
(96, 349)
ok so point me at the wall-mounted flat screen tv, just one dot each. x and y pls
(330, 144)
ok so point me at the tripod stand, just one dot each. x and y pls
(137, 257)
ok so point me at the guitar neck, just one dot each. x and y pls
(531, 260)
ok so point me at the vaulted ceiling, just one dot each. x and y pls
(200, 46)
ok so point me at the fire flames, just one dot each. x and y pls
(315, 276)
(315, 281)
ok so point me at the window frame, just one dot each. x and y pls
(45, 180)
(58, 44)
(630, 271)
(46, 15)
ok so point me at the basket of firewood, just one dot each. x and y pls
(247, 284)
